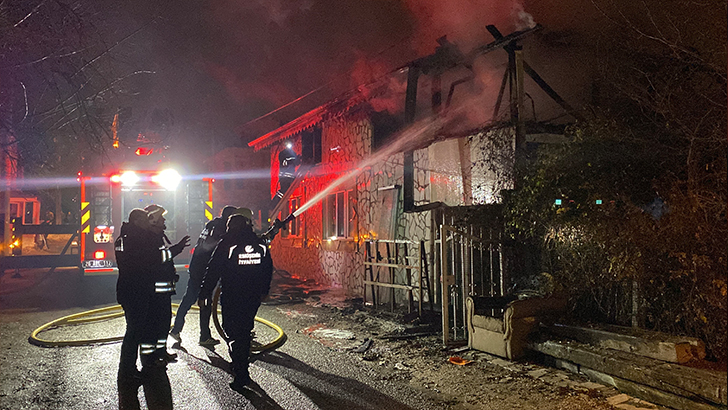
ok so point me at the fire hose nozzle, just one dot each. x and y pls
(277, 226)
(288, 219)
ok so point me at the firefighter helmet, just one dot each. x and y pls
(139, 217)
(238, 223)
(227, 211)
(244, 212)
(156, 216)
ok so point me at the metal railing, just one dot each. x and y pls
(68, 256)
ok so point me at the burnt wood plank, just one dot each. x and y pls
(641, 391)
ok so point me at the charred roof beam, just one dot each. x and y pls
(446, 56)
(510, 48)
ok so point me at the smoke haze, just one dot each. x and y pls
(223, 63)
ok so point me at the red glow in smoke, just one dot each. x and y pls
(464, 21)
(291, 49)
(387, 95)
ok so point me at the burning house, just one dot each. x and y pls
(392, 188)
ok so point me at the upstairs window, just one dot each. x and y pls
(311, 145)
(384, 127)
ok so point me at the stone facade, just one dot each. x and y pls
(372, 181)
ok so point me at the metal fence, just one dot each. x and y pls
(471, 264)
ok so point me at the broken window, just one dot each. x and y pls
(293, 228)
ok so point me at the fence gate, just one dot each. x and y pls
(393, 274)
(471, 264)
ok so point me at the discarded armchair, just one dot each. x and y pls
(501, 325)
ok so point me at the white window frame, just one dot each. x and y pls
(344, 221)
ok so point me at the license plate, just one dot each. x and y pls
(97, 263)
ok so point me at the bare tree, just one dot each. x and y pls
(641, 232)
(63, 81)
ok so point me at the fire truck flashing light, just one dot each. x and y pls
(168, 179)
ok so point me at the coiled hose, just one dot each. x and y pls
(112, 312)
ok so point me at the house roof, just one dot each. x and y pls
(444, 57)
(331, 109)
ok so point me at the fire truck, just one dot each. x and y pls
(107, 199)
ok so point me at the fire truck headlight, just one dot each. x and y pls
(129, 178)
(168, 179)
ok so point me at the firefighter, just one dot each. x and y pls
(287, 162)
(134, 288)
(153, 350)
(210, 236)
(242, 262)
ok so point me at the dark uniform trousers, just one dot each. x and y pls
(209, 237)
(243, 264)
(136, 315)
(191, 296)
(154, 343)
(238, 320)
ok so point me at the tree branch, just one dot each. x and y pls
(106, 51)
(29, 14)
(25, 97)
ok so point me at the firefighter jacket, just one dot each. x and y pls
(136, 257)
(287, 161)
(209, 238)
(164, 273)
(243, 264)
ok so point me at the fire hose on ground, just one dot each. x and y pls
(112, 312)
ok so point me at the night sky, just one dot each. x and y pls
(219, 64)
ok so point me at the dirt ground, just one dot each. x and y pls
(384, 342)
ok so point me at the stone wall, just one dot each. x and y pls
(346, 141)
(334, 263)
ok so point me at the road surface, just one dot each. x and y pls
(302, 374)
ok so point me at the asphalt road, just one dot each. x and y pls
(302, 374)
